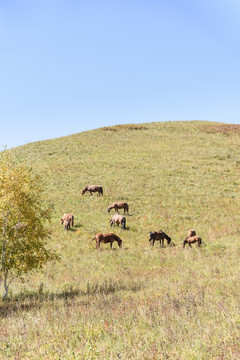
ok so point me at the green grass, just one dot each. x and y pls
(136, 302)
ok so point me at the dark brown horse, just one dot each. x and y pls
(67, 220)
(191, 240)
(159, 235)
(106, 238)
(93, 188)
(119, 220)
(118, 205)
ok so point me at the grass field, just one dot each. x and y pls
(137, 302)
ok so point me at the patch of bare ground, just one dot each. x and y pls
(226, 129)
(124, 127)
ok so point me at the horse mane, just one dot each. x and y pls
(166, 236)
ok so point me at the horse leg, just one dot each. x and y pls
(111, 244)
(190, 245)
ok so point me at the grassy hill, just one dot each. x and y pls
(136, 302)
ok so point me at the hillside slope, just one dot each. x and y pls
(174, 175)
(129, 303)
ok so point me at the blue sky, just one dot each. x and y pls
(71, 66)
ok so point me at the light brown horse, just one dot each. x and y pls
(106, 238)
(159, 235)
(191, 240)
(93, 188)
(67, 220)
(118, 205)
(119, 220)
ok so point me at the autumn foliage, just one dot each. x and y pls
(23, 214)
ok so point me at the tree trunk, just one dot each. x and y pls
(6, 286)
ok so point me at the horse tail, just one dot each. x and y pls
(94, 238)
(127, 207)
(101, 190)
(151, 236)
(72, 220)
(124, 223)
(199, 241)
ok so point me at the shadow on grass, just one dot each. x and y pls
(110, 287)
(29, 300)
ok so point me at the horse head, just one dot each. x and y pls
(168, 240)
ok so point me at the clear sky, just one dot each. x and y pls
(68, 66)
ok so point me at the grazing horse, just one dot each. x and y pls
(191, 233)
(191, 240)
(93, 188)
(118, 205)
(119, 220)
(159, 235)
(106, 238)
(67, 220)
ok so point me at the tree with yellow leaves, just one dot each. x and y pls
(23, 214)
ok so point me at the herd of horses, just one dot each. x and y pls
(117, 219)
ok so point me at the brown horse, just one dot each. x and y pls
(67, 220)
(119, 220)
(93, 188)
(106, 238)
(118, 205)
(191, 240)
(159, 235)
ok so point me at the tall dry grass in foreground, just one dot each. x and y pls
(136, 302)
